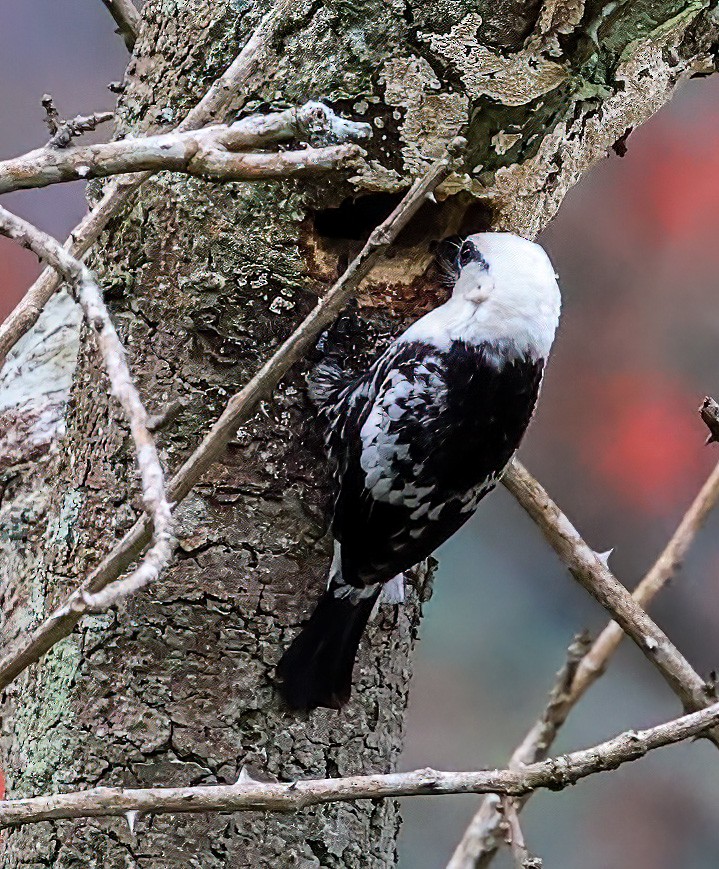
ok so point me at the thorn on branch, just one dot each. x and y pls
(62, 132)
(709, 412)
(251, 775)
(604, 556)
(131, 818)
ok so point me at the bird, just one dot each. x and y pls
(418, 439)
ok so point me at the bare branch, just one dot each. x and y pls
(127, 18)
(595, 662)
(248, 795)
(583, 668)
(224, 95)
(536, 744)
(62, 132)
(515, 836)
(238, 410)
(115, 158)
(205, 152)
(153, 479)
(594, 576)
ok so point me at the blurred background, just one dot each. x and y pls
(617, 441)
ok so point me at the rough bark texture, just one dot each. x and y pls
(176, 687)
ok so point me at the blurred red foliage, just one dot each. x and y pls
(645, 439)
(674, 189)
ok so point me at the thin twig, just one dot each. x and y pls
(480, 840)
(127, 18)
(247, 795)
(595, 662)
(239, 409)
(153, 479)
(224, 95)
(61, 131)
(515, 837)
(595, 577)
(539, 740)
(210, 152)
(213, 164)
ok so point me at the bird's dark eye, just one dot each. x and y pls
(466, 253)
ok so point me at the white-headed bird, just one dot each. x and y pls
(418, 439)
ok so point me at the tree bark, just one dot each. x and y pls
(176, 687)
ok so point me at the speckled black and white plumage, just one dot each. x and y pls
(412, 462)
(418, 439)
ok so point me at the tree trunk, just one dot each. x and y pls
(176, 687)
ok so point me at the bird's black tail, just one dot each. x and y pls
(316, 670)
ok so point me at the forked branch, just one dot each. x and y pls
(585, 665)
(219, 152)
(593, 575)
(62, 132)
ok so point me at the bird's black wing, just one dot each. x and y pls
(417, 443)
(393, 422)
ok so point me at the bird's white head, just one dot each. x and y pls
(508, 289)
(505, 294)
